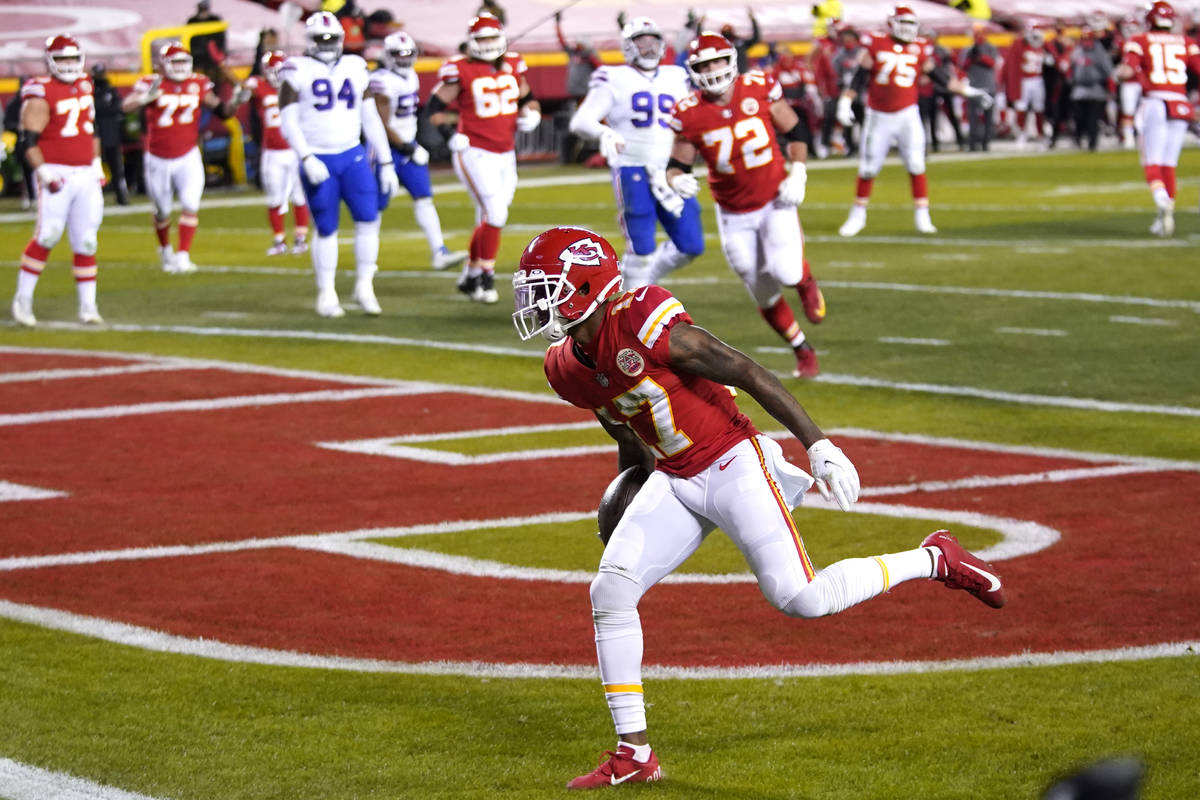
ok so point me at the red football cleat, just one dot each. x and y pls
(619, 768)
(806, 361)
(958, 569)
(812, 299)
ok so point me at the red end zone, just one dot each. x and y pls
(1123, 573)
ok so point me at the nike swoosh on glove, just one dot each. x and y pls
(836, 476)
(791, 188)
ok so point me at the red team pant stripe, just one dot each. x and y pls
(809, 572)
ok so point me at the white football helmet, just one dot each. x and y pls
(902, 22)
(485, 38)
(710, 48)
(64, 58)
(175, 61)
(324, 35)
(399, 51)
(642, 43)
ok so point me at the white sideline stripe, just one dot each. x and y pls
(14, 491)
(1085, 297)
(982, 482)
(1032, 331)
(148, 639)
(212, 404)
(95, 372)
(1143, 321)
(906, 340)
(24, 782)
(923, 240)
(1083, 403)
(453, 459)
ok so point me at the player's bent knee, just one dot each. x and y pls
(614, 596)
(810, 602)
(49, 233)
(87, 246)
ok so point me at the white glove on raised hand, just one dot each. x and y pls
(458, 142)
(985, 99)
(389, 183)
(611, 144)
(791, 188)
(315, 169)
(836, 476)
(528, 120)
(664, 194)
(151, 93)
(845, 111)
(242, 94)
(420, 156)
(685, 185)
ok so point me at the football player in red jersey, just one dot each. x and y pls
(279, 165)
(659, 386)
(732, 122)
(57, 119)
(888, 69)
(174, 98)
(1160, 60)
(1024, 83)
(494, 101)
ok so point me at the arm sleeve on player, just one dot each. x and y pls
(595, 107)
(375, 133)
(858, 83)
(940, 75)
(289, 123)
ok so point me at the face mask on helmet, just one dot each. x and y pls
(642, 43)
(903, 25)
(565, 274)
(64, 59)
(271, 62)
(176, 62)
(325, 36)
(712, 63)
(485, 39)
(399, 51)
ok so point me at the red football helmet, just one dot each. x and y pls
(485, 38)
(175, 61)
(271, 61)
(712, 48)
(64, 58)
(902, 22)
(1160, 16)
(565, 274)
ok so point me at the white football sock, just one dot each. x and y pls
(619, 648)
(86, 291)
(26, 281)
(325, 259)
(667, 259)
(366, 244)
(853, 580)
(427, 217)
(641, 752)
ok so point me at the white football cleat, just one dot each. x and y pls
(1164, 222)
(364, 295)
(300, 247)
(280, 248)
(854, 223)
(446, 258)
(485, 290)
(328, 305)
(183, 263)
(90, 315)
(922, 221)
(167, 256)
(22, 311)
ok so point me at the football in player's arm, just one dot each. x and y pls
(659, 385)
(57, 129)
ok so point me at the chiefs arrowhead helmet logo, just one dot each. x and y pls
(585, 252)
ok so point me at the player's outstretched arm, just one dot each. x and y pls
(695, 350)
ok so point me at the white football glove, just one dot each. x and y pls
(845, 111)
(685, 185)
(986, 101)
(314, 169)
(151, 93)
(611, 144)
(836, 476)
(49, 178)
(242, 94)
(420, 156)
(458, 142)
(389, 183)
(528, 120)
(664, 194)
(98, 172)
(791, 188)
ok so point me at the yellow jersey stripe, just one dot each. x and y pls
(653, 327)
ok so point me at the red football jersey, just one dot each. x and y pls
(487, 99)
(686, 420)
(69, 135)
(266, 104)
(737, 140)
(895, 68)
(173, 120)
(1162, 60)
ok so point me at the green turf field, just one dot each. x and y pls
(1042, 314)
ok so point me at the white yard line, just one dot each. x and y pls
(24, 782)
(1032, 331)
(910, 340)
(94, 372)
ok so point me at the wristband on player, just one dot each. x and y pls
(27, 139)
(675, 163)
(435, 105)
(526, 99)
(800, 132)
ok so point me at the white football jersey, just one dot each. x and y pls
(638, 105)
(400, 88)
(330, 97)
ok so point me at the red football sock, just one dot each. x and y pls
(187, 231)
(783, 321)
(1168, 179)
(920, 188)
(489, 243)
(862, 190)
(300, 216)
(84, 268)
(33, 260)
(162, 229)
(276, 218)
(1022, 118)
(1153, 174)
(473, 248)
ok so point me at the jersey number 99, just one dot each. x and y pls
(643, 103)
